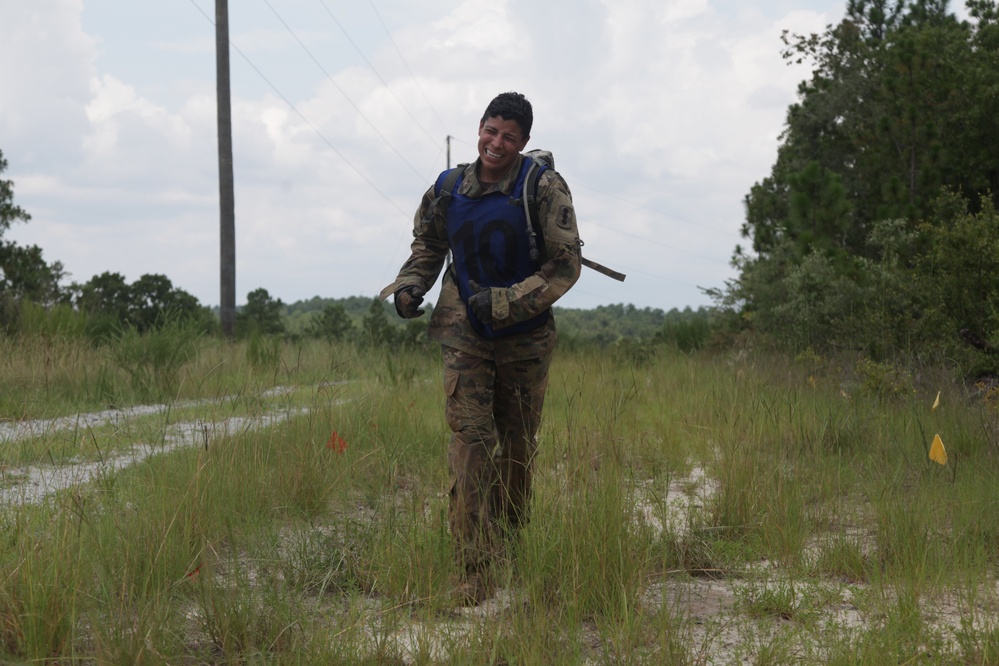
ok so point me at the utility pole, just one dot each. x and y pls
(227, 205)
(448, 151)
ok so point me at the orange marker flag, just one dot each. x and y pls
(937, 452)
(936, 403)
(336, 443)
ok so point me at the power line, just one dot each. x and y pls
(440, 150)
(655, 242)
(667, 279)
(342, 92)
(380, 78)
(577, 290)
(647, 207)
(304, 119)
(416, 79)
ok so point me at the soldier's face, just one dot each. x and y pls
(500, 142)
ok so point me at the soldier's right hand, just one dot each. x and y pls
(407, 301)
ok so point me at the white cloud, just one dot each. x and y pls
(121, 120)
(45, 64)
(475, 27)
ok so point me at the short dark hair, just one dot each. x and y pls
(512, 106)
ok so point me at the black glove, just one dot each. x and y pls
(481, 303)
(407, 300)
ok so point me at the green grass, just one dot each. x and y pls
(820, 532)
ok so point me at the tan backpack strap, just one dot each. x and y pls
(600, 268)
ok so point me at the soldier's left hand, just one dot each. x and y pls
(482, 305)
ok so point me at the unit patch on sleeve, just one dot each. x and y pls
(563, 219)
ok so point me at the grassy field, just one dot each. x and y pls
(174, 500)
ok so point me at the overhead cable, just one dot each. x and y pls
(416, 79)
(303, 118)
(421, 176)
(654, 210)
(385, 83)
(655, 242)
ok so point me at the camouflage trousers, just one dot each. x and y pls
(494, 411)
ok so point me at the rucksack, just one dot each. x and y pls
(541, 160)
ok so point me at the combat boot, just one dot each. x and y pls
(473, 589)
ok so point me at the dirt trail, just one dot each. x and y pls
(33, 483)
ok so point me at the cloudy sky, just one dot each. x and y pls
(660, 113)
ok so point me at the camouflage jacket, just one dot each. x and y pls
(559, 271)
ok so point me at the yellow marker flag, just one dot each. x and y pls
(936, 403)
(937, 452)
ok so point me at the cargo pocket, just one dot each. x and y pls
(450, 388)
(450, 382)
(450, 399)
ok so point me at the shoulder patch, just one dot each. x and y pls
(564, 220)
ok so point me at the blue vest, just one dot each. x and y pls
(490, 243)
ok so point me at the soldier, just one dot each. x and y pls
(495, 325)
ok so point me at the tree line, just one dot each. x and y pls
(876, 230)
(364, 319)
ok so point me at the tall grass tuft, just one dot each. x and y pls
(153, 359)
(582, 556)
(40, 583)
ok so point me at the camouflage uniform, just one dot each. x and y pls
(494, 388)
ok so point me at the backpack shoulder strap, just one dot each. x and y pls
(541, 160)
(444, 189)
(530, 198)
(446, 185)
(531, 188)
